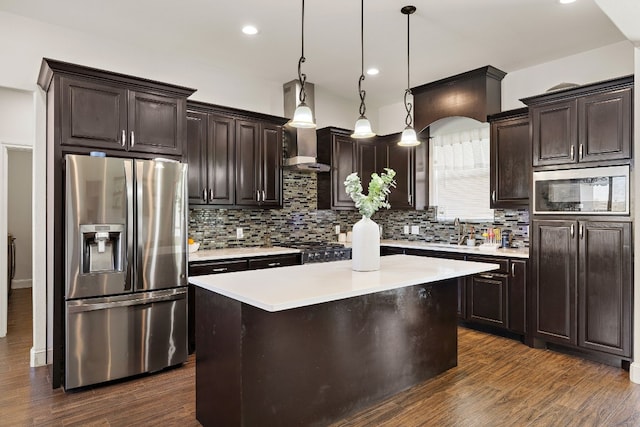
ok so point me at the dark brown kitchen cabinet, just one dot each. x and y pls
(258, 164)
(402, 161)
(338, 149)
(487, 293)
(347, 155)
(510, 172)
(554, 313)
(210, 155)
(589, 123)
(106, 115)
(517, 296)
(582, 284)
(605, 287)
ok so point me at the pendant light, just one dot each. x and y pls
(362, 128)
(409, 137)
(302, 116)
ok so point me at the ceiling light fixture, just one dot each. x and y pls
(567, 1)
(373, 71)
(302, 117)
(409, 137)
(250, 30)
(363, 125)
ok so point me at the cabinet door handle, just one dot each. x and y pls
(133, 138)
(581, 151)
(124, 138)
(493, 196)
(204, 194)
(263, 196)
(211, 194)
(572, 230)
(572, 152)
(581, 231)
(220, 270)
(273, 264)
(513, 269)
(257, 195)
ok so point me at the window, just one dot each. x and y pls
(459, 173)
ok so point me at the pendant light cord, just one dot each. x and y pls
(302, 77)
(362, 92)
(407, 105)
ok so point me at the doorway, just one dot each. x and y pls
(19, 222)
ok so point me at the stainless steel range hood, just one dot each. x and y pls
(301, 145)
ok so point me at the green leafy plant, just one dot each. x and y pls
(379, 190)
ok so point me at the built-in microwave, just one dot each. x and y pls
(588, 191)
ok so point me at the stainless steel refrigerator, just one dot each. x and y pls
(126, 267)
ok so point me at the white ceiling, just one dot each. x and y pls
(447, 36)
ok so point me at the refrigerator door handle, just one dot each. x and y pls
(128, 176)
(13, 259)
(80, 306)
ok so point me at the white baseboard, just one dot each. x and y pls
(634, 372)
(38, 357)
(21, 284)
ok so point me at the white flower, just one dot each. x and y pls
(379, 189)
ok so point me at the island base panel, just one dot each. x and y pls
(314, 365)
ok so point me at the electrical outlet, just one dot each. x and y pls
(337, 229)
(239, 233)
(415, 229)
(406, 229)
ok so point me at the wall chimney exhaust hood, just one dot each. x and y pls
(300, 145)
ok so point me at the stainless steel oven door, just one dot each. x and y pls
(588, 191)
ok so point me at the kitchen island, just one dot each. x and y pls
(310, 344)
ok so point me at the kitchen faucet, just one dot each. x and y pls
(460, 230)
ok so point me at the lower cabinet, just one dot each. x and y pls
(496, 298)
(582, 284)
(201, 268)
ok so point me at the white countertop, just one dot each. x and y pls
(301, 285)
(228, 253)
(471, 250)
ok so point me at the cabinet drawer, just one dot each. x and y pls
(217, 267)
(502, 262)
(274, 261)
(391, 250)
(435, 254)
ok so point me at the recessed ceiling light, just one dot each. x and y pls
(373, 71)
(249, 30)
(567, 1)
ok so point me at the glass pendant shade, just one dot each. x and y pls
(363, 128)
(302, 117)
(409, 138)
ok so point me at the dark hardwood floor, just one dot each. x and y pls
(499, 382)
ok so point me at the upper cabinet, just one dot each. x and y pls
(365, 156)
(338, 149)
(234, 156)
(108, 111)
(510, 159)
(590, 123)
(402, 161)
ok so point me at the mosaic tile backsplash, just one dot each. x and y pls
(300, 220)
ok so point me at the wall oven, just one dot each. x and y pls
(588, 191)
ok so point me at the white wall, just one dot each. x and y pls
(587, 67)
(634, 371)
(17, 132)
(19, 222)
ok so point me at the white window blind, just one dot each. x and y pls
(459, 175)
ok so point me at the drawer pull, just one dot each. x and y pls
(220, 270)
(486, 276)
(273, 264)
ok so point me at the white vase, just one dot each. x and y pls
(365, 245)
